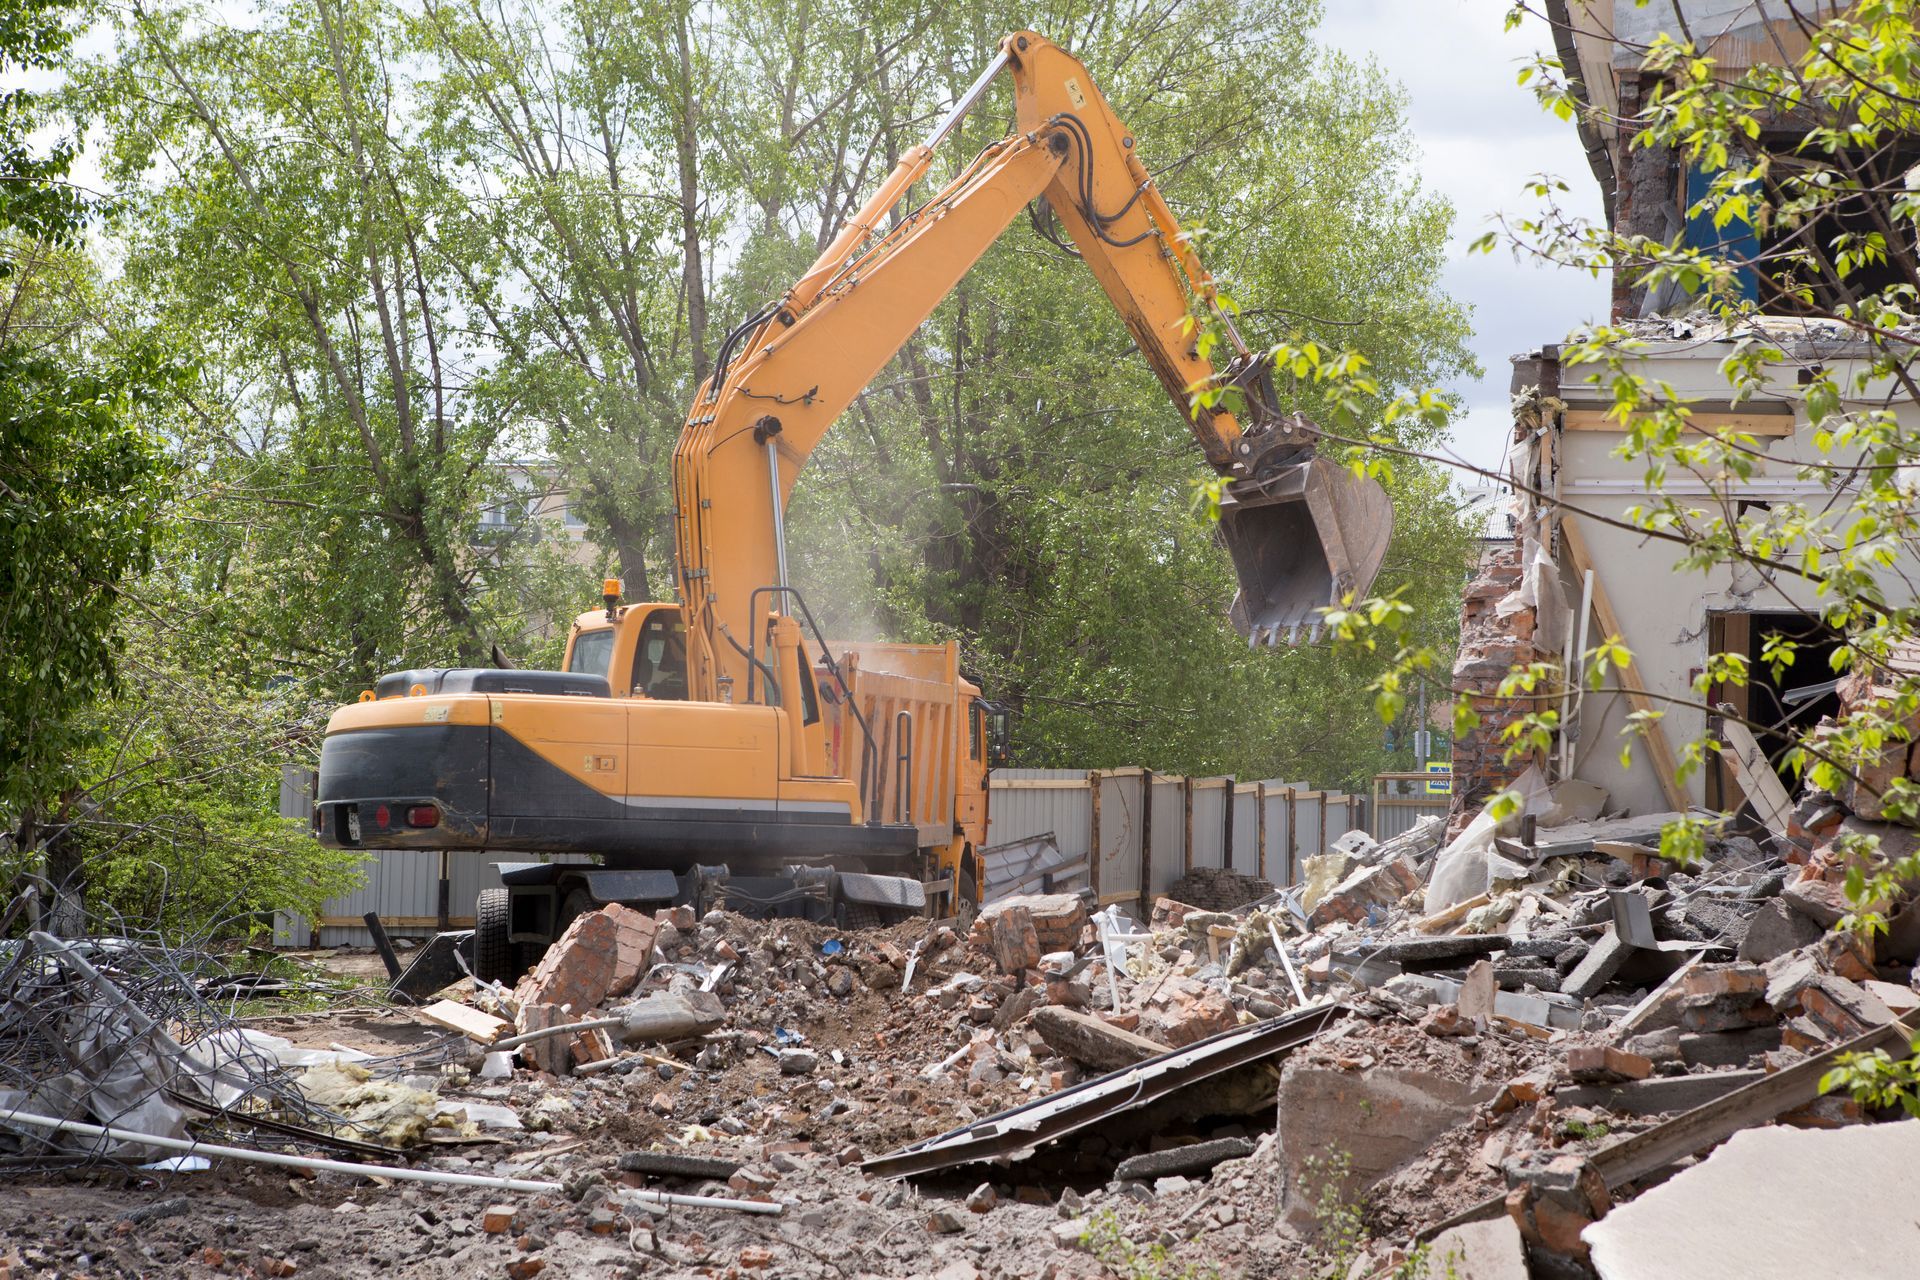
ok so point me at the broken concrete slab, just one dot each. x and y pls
(1381, 1118)
(1658, 1095)
(1488, 1250)
(1413, 953)
(1608, 955)
(1539, 1011)
(1728, 1048)
(1775, 931)
(1775, 1204)
(1091, 1041)
(1195, 1157)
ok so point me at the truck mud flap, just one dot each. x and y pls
(896, 892)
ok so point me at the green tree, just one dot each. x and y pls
(80, 478)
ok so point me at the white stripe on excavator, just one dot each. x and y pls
(723, 802)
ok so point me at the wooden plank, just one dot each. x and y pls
(1665, 764)
(1768, 424)
(1146, 840)
(470, 1022)
(1093, 830)
(1756, 777)
(1186, 789)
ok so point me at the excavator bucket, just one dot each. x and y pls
(1301, 540)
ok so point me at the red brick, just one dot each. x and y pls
(1728, 980)
(1016, 942)
(754, 1257)
(498, 1219)
(577, 970)
(1560, 1227)
(632, 946)
(525, 1268)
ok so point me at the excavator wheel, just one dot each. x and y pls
(494, 958)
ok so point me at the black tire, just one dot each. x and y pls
(860, 915)
(969, 904)
(493, 954)
(576, 904)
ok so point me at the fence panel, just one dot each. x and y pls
(1023, 803)
(1123, 833)
(1167, 858)
(1244, 857)
(403, 885)
(1210, 797)
(1309, 809)
(1144, 827)
(1402, 799)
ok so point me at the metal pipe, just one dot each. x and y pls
(967, 101)
(546, 1033)
(396, 1172)
(779, 519)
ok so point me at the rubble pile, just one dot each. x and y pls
(1218, 888)
(1449, 1038)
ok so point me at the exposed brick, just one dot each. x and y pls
(632, 946)
(577, 970)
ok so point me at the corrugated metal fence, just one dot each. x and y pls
(1152, 828)
(1402, 799)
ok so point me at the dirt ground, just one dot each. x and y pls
(799, 1138)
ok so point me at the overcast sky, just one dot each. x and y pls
(1481, 136)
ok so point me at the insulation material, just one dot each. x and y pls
(1461, 870)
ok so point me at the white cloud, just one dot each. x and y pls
(1481, 137)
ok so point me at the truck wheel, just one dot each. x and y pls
(576, 904)
(969, 904)
(493, 954)
(859, 915)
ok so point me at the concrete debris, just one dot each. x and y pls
(1205, 1080)
(1850, 1193)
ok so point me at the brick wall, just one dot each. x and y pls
(1490, 647)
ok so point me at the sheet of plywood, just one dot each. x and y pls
(467, 1020)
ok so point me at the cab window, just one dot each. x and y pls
(976, 724)
(660, 657)
(592, 652)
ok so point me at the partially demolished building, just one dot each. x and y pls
(1584, 568)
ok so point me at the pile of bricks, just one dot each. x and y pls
(1057, 920)
(1218, 889)
(602, 954)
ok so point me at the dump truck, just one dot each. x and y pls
(719, 747)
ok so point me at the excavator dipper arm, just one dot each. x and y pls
(782, 378)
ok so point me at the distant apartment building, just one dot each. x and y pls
(536, 505)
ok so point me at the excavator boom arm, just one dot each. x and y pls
(783, 378)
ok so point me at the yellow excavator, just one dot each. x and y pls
(719, 747)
